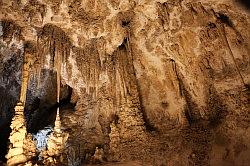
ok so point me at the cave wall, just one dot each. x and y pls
(173, 73)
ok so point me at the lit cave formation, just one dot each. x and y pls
(124, 82)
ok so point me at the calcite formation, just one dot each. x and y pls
(22, 147)
(165, 82)
(53, 154)
(98, 156)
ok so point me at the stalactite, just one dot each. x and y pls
(54, 42)
(27, 63)
(58, 75)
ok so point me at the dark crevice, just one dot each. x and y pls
(125, 23)
(225, 19)
(212, 25)
(216, 108)
(177, 76)
(115, 118)
(149, 126)
(10, 29)
(245, 3)
(192, 112)
(4, 136)
(6, 114)
(247, 86)
(44, 116)
(30, 47)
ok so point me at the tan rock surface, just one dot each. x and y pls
(163, 81)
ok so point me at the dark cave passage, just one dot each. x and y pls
(43, 117)
(7, 103)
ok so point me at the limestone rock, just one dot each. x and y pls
(163, 81)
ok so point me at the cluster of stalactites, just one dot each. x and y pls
(53, 49)
(51, 41)
(10, 30)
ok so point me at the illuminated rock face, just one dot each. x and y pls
(163, 81)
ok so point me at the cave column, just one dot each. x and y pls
(130, 126)
(25, 77)
(22, 148)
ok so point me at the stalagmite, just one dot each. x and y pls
(56, 144)
(22, 148)
(17, 137)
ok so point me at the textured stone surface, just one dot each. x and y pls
(163, 81)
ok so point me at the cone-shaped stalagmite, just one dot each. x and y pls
(56, 144)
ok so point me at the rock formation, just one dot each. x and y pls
(53, 155)
(162, 82)
(22, 147)
(98, 156)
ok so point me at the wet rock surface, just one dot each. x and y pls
(158, 82)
